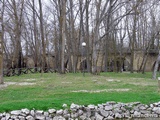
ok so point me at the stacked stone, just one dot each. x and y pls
(106, 111)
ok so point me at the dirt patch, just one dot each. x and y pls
(112, 80)
(66, 82)
(98, 91)
(30, 79)
(15, 83)
(142, 84)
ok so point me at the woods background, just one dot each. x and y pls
(39, 33)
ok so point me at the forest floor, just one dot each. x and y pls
(52, 90)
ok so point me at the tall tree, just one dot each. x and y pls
(44, 64)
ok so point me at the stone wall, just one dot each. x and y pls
(105, 111)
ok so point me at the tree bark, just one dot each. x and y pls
(156, 67)
(44, 64)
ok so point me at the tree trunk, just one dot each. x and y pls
(63, 36)
(156, 67)
(44, 64)
(1, 57)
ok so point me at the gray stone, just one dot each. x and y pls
(104, 113)
(108, 108)
(137, 114)
(74, 106)
(25, 111)
(32, 112)
(59, 112)
(46, 114)
(117, 106)
(100, 106)
(82, 117)
(16, 112)
(3, 118)
(48, 118)
(126, 114)
(151, 105)
(123, 109)
(51, 111)
(7, 116)
(40, 117)
(145, 112)
(58, 118)
(64, 105)
(65, 112)
(110, 118)
(74, 115)
(98, 116)
(67, 116)
(132, 111)
(21, 117)
(80, 112)
(14, 117)
(156, 110)
(29, 117)
(91, 107)
(39, 112)
(142, 107)
(117, 115)
(117, 110)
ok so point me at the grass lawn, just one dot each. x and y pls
(52, 90)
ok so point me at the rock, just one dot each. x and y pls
(151, 105)
(59, 112)
(25, 111)
(65, 111)
(92, 107)
(58, 118)
(7, 116)
(108, 108)
(32, 112)
(104, 113)
(126, 114)
(117, 115)
(145, 112)
(110, 118)
(51, 111)
(142, 107)
(67, 116)
(117, 110)
(21, 117)
(98, 116)
(137, 114)
(3, 118)
(39, 112)
(46, 114)
(82, 117)
(16, 112)
(74, 115)
(40, 117)
(29, 117)
(14, 117)
(48, 118)
(136, 108)
(74, 106)
(80, 112)
(156, 110)
(100, 106)
(117, 106)
(64, 105)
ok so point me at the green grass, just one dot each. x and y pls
(52, 90)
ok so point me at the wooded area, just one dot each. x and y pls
(37, 28)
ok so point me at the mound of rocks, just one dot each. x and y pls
(106, 111)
